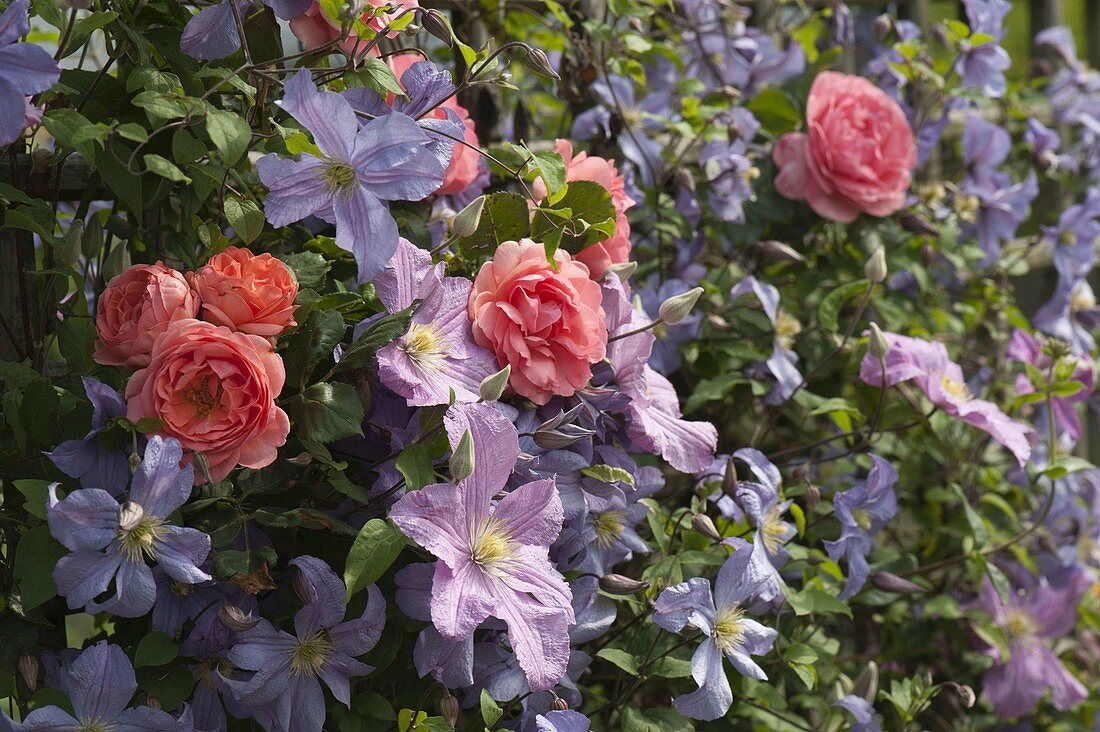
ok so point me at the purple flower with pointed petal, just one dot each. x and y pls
(760, 502)
(562, 721)
(1045, 144)
(1025, 348)
(437, 357)
(177, 602)
(1030, 621)
(602, 539)
(286, 686)
(783, 363)
(389, 159)
(212, 32)
(864, 713)
(1074, 238)
(981, 66)
(862, 511)
(941, 380)
(493, 560)
(86, 459)
(728, 168)
(729, 632)
(1071, 314)
(100, 684)
(25, 69)
(109, 541)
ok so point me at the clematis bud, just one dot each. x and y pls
(883, 25)
(559, 704)
(28, 669)
(813, 497)
(560, 431)
(236, 620)
(537, 61)
(875, 269)
(448, 707)
(867, 682)
(678, 307)
(917, 224)
(466, 221)
(778, 250)
(462, 458)
(624, 270)
(135, 462)
(130, 515)
(877, 344)
(117, 261)
(617, 584)
(729, 480)
(300, 460)
(705, 526)
(966, 693)
(434, 22)
(493, 386)
(685, 179)
(893, 583)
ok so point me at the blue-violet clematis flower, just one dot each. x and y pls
(25, 69)
(862, 511)
(86, 459)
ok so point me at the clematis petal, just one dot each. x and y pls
(100, 682)
(713, 697)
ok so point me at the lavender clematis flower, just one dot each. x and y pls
(941, 380)
(728, 632)
(493, 561)
(982, 65)
(1024, 347)
(1015, 685)
(562, 721)
(864, 713)
(86, 459)
(100, 684)
(389, 159)
(728, 168)
(1071, 314)
(1074, 238)
(25, 69)
(783, 363)
(437, 356)
(285, 692)
(1045, 144)
(109, 541)
(760, 502)
(212, 32)
(1074, 91)
(862, 511)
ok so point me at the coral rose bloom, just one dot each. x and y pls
(314, 29)
(857, 154)
(245, 292)
(215, 391)
(615, 249)
(137, 306)
(548, 326)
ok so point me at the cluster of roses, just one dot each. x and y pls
(202, 347)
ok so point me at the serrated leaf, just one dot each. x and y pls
(327, 412)
(244, 216)
(229, 132)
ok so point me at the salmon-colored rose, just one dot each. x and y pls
(136, 307)
(857, 155)
(465, 165)
(547, 325)
(215, 390)
(314, 29)
(245, 292)
(615, 249)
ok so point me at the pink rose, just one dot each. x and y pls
(465, 165)
(137, 306)
(314, 29)
(615, 249)
(215, 391)
(245, 292)
(548, 326)
(857, 154)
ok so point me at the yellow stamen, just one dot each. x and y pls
(786, 328)
(729, 628)
(609, 527)
(425, 345)
(309, 655)
(955, 389)
(493, 546)
(772, 530)
(338, 176)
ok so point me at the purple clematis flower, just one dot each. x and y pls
(86, 459)
(562, 721)
(783, 363)
(1031, 620)
(25, 69)
(982, 65)
(941, 380)
(493, 560)
(760, 502)
(864, 713)
(728, 632)
(1071, 314)
(109, 541)
(1074, 238)
(437, 357)
(389, 159)
(1074, 91)
(1045, 144)
(100, 684)
(1025, 348)
(728, 168)
(862, 511)
(285, 692)
(212, 32)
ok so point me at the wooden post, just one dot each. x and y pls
(1092, 32)
(1044, 14)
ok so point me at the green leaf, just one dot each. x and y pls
(311, 344)
(608, 474)
(671, 668)
(589, 217)
(229, 132)
(807, 674)
(309, 268)
(380, 333)
(165, 168)
(125, 183)
(620, 658)
(160, 106)
(375, 74)
(375, 548)
(504, 218)
(415, 463)
(35, 491)
(132, 131)
(36, 555)
(65, 124)
(657, 719)
(490, 710)
(777, 112)
(551, 169)
(829, 309)
(155, 649)
(327, 412)
(245, 217)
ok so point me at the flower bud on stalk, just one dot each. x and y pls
(813, 497)
(559, 704)
(877, 344)
(883, 25)
(678, 307)
(891, 582)
(434, 22)
(448, 708)
(624, 270)
(466, 221)
(917, 224)
(617, 584)
(778, 250)
(236, 620)
(537, 61)
(705, 526)
(875, 269)
(966, 693)
(867, 683)
(493, 386)
(462, 459)
(28, 669)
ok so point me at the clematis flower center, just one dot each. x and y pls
(772, 529)
(748, 175)
(1081, 298)
(425, 345)
(338, 175)
(862, 519)
(729, 628)
(181, 590)
(138, 534)
(307, 658)
(95, 726)
(1019, 625)
(786, 328)
(609, 527)
(966, 206)
(492, 546)
(955, 389)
